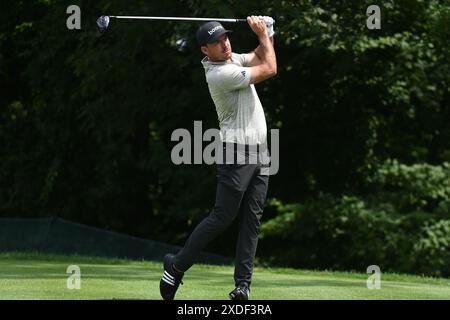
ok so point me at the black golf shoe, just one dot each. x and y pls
(170, 280)
(241, 292)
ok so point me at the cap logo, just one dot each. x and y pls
(211, 32)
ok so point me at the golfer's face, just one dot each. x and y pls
(220, 50)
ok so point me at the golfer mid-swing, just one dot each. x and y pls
(241, 187)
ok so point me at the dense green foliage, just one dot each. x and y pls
(86, 121)
(402, 223)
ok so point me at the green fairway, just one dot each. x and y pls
(35, 276)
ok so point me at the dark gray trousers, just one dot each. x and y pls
(241, 191)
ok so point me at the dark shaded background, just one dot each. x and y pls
(86, 121)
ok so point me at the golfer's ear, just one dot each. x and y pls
(204, 50)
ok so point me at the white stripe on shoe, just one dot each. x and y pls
(168, 278)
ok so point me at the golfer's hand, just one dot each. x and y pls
(258, 26)
(269, 21)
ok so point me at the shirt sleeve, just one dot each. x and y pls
(232, 77)
(241, 58)
(244, 59)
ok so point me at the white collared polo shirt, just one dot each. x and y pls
(239, 110)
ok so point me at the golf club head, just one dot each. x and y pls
(103, 23)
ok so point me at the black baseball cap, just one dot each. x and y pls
(210, 32)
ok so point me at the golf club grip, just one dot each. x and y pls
(178, 18)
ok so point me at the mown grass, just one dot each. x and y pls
(38, 276)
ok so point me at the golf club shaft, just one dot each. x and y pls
(179, 18)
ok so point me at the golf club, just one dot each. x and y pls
(103, 21)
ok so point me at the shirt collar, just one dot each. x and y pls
(206, 62)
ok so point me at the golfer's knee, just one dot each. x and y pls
(222, 218)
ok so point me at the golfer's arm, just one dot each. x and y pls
(254, 59)
(267, 66)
